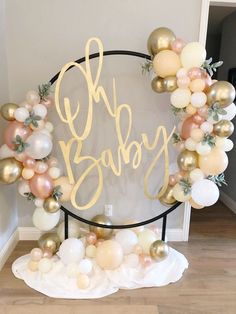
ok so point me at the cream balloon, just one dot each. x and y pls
(27, 173)
(90, 251)
(193, 55)
(180, 98)
(196, 175)
(179, 194)
(205, 192)
(146, 238)
(45, 221)
(190, 144)
(54, 172)
(66, 188)
(49, 126)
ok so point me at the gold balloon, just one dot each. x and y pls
(160, 39)
(157, 85)
(49, 241)
(187, 160)
(167, 198)
(51, 205)
(159, 250)
(224, 128)
(10, 170)
(221, 92)
(170, 83)
(8, 110)
(101, 233)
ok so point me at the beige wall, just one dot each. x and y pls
(43, 35)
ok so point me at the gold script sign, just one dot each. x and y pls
(97, 93)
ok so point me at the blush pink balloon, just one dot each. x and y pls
(177, 45)
(172, 180)
(198, 119)
(145, 260)
(208, 82)
(187, 127)
(183, 81)
(52, 162)
(47, 102)
(12, 130)
(180, 175)
(29, 163)
(41, 185)
(47, 253)
(40, 167)
(91, 238)
(203, 111)
(194, 73)
(36, 254)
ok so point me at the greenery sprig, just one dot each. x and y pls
(19, 144)
(30, 196)
(211, 68)
(44, 90)
(32, 119)
(177, 111)
(147, 66)
(176, 138)
(215, 111)
(57, 194)
(218, 180)
(186, 186)
(209, 139)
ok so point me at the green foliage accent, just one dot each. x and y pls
(30, 196)
(211, 68)
(57, 194)
(176, 138)
(215, 111)
(146, 66)
(218, 180)
(44, 90)
(185, 185)
(209, 139)
(32, 119)
(19, 145)
(177, 111)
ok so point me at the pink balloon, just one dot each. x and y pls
(47, 102)
(187, 127)
(41, 185)
(203, 111)
(172, 180)
(198, 119)
(145, 260)
(194, 73)
(29, 163)
(177, 45)
(91, 238)
(183, 82)
(12, 130)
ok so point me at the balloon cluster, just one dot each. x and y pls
(86, 250)
(205, 107)
(26, 156)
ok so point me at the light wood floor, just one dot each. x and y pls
(208, 286)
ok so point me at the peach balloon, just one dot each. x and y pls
(27, 173)
(213, 163)
(197, 85)
(187, 127)
(41, 185)
(12, 130)
(197, 135)
(181, 175)
(191, 110)
(66, 188)
(166, 63)
(109, 255)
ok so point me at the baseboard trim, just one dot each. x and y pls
(8, 248)
(228, 201)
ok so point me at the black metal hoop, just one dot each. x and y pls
(68, 213)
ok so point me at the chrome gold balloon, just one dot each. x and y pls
(49, 241)
(10, 170)
(157, 85)
(221, 92)
(159, 250)
(167, 198)
(224, 128)
(101, 233)
(8, 110)
(170, 83)
(51, 205)
(160, 39)
(187, 160)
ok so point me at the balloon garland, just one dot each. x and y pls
(205, 107)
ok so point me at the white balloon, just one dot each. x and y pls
(45, 221)
(40, 145)
(205, 192)
(32, 98)
(203, 148)
(196, 174)
(72, 270)
(40, 110)
(45, 265)
(73, 230)
(71, 251)
(180, 98)
(190, 144)
(231, 112)
(198, 99)
(127, 239)
(23, 187)
(228, 145)
(193, 55)
(21, 114)
(6, 152)
(85, 266)
(38, 202)
(54, 172)
(131, 260)
(206, 127)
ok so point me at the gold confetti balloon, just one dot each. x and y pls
(160, 39)
(159, 250)
(8, 110)
(10, 170)
(224, 128)
(101, 233)
(50, 242)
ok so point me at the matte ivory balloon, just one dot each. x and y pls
(166, 63)
(8, 110)
(179, 194)
(41, 185)
(193, 55)
(213, 163)
(221, 92)
(187, 160)
(180, 98)
(109, 255)
(160, 39)
(66, 188)
(10, 170)
(40, 145)
(12, 130)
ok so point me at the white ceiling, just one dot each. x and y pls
(216, 17)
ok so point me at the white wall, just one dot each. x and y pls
(43, 35)
(8, 210)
